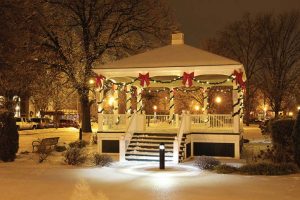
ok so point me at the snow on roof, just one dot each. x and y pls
(176, 55)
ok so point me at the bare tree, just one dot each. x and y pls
(281, 57)
(77, 35)
(17, 69)
(241, 41)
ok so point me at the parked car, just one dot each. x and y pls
(67, 123)
(43, 122)
(24, 123)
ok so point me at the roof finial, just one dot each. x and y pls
(177, 38)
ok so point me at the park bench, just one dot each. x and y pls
(45, 145)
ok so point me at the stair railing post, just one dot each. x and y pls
(175, 151)
(122, 147)
(187, 122)
(176, 120)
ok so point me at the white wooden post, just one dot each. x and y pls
(187, 122)
(100, 102)
(176, 120)
(175, 151)
(122, 149)
(171, 106)
(139, 99)
(205, 101)
(140, 122)
(116, 102)
(236, 118)
(128, 103)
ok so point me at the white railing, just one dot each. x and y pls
(199, 120)
(157, 119)
(212, 121)
(115, 121)
(220, 121)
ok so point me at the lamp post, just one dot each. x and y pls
(154, 108)
(162, 156)
(218, 100)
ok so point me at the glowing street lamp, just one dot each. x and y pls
(218, 100)
(111, 101)
(91, 81)
(197, 107)
(298, 108)
(154, 108)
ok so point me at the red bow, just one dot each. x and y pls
(239, 79)
(188, 79)
(99, 80)
(144, 79)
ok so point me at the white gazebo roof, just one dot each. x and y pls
(170, 60)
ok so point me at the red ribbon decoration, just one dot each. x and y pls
(188, 79)
(99, 80)
(239, 79)
(144, 79)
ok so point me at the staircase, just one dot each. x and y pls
(145, 147)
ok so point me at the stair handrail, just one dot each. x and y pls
(177, 141)
(130, 130)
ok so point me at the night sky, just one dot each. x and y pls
(201, 19)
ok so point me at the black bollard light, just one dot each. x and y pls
(80, 134)
(162, 156)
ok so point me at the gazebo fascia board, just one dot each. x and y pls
(170, 71)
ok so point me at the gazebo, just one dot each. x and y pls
(135, 135)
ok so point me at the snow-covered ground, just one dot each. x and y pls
(26, 179)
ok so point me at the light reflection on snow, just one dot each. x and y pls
(151, 169)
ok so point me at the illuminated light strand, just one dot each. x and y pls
(230, 77)
(101, 110)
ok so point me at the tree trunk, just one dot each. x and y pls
(10, 104)
(277, 108)
(85, 109)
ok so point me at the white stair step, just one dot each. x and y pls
(149, 144)
(149, 158)
(147, 153)
(146, 149)
(149, 140)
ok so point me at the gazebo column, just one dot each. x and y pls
(139, 99)
(173, 118)
(128, 103)
(128, 99)
(205, 101)
(236, 118)
(100, 102)
(116, 102)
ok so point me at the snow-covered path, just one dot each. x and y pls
(129, 182)
(52, 180)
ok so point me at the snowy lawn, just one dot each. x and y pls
(26, 179)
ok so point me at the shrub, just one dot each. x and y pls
(78, 144)
(282, 139)
(75, 156)
(296, 140)
(102, 160)
(60, 148)
(266, 155)
(206, 162)
(266, 168)
(225, 169)
(9, 137)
